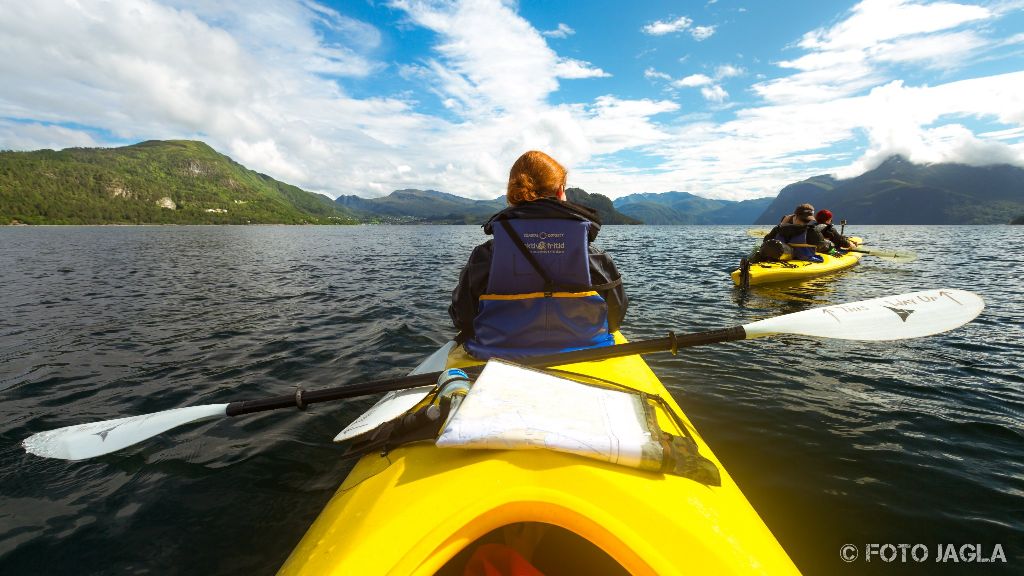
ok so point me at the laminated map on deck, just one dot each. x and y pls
(511, 407)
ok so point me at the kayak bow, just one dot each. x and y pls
(420, 509)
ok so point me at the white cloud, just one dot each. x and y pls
(662, 27)
(488, 51)
(692, 81)
(563, 31)
(939, 51)
(874, 21)
(714, 93)
(700, 33)
(652, 74)
(266, 153)
(493, 61)
(570, 68)
(612, 124)
(841, 89)
(727, 71)
(764, 148)
(315, 37)
(909, 121)
(36, 136)
(1008, 134)
(683, 23)
(710, 88)
(852, 55)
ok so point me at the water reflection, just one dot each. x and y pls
(791, 296)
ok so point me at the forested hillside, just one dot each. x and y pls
(154, 182)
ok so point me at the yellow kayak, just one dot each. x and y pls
(788, 270)
(421, 509)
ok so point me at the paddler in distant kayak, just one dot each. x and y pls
(802, 215)
(539, 286)
(830, 234)
(796, 228)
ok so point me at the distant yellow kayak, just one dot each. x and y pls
(420, 509)
(788, 270)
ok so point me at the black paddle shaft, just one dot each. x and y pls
(302, 398)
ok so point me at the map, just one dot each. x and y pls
(511, 407)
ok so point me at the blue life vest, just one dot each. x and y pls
(799, 252)
(525, 314)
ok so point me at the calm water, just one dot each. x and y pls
(833, 442)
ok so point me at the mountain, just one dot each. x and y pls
(422, 207)
(602, 204)
(153, 182)
(900, 192)
(433, 207)
(686, 208)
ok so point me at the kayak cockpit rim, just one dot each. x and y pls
(549, 548)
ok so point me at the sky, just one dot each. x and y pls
(729, 99)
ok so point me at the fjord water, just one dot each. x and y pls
(833, 442)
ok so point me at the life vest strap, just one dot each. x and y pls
(549, 285)
(538, 295)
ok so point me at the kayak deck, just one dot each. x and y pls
(413, 510)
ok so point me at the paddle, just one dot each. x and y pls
(890, 318)
(887, 254)
(884, 253)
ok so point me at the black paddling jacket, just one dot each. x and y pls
(828, 232)
(509, 294)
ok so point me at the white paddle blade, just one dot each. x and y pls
(398, 402)
(97, 438)
(758, 232)
(890, 318)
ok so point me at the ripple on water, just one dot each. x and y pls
(832, 441)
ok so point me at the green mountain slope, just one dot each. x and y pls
(602, 204)
(422, 207)
(154, 182)
(685, 208)
(899, 192)
(433, 207)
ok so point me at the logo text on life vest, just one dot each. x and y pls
(544, 242)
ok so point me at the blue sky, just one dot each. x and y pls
(724, 99)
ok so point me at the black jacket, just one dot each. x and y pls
(828, 232)
(474, 275)
(790, 231)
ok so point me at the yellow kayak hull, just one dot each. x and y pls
(790, 270)
(414, 509)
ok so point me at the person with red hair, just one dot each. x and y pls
(829, 233)
(539, 286)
